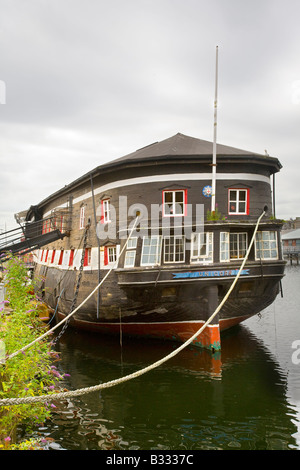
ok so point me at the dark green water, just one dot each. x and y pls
(249, 400)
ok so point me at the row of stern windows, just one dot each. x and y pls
(174, 204)
(156, 250)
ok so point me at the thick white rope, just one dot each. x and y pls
(48, 332)
(112, 383)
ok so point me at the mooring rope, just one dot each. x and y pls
(112, 383)
(48, 332)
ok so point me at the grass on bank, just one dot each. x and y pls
(30, 373)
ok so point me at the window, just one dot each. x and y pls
(87, 257)
(46, 226)
(132, 242)
(233, 245)
(129, 259)
(105, 218)
(174, 203)
(266, 245)
(224, 246)
(238, 245)
(238, 201)
(174, 249)
(151, 250)
(82, 217)
(62, 222)
(202, 247)
(110, 255)
(130, 255)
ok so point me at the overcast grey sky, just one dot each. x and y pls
(85, 82)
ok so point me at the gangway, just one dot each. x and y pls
(28, 237)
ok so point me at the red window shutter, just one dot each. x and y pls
(71, 258)
(102, 213)
(61, 256)
(105, 256)
(86, 257)
(248, 202)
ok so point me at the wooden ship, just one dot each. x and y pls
(168, 273)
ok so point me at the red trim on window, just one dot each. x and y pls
(184, 202)
(71, 258)
(87, 254)
(102, 221)
(247, 201)
(61, 257)
(102, 213)
(105, 256)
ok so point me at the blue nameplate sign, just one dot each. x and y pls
(223, 273)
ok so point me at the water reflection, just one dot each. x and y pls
(194, 401)
(246, 397)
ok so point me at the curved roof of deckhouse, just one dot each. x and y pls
(180, 145)
(176, 148)
(183, 146)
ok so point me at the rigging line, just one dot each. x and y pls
(70, 267)
(54, 313)
(73, 305)
(112, 383)
(98, 243)
(79, 306)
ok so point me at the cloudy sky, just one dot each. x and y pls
(85, 82)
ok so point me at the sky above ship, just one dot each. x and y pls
(86, 82)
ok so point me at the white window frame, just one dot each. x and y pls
(82, 217)
(197, 244)
(132, 243)
(112, 254)
(239, 234)
(130, 255)
(174, 205)
(224, 247)
(106, 211)
(237, 202)
(157, 251)
(173, 253)
(263, 244)
(130, 259)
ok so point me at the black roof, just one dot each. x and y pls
(181, 145)
(178, 147)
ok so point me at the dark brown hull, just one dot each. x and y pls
(175, 306)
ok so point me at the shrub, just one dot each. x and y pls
(30, 373)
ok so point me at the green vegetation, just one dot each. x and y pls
(215, 215)
(31, 372)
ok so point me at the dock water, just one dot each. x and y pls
(252, 403)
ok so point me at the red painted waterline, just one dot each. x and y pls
(178, 331)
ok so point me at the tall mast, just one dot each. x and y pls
(214, 163)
